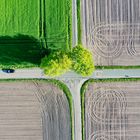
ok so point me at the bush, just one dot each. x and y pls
(56, 63)
(82, 61)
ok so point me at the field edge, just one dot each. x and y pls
(85, 86)
(60, 85)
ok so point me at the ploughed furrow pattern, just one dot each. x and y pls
(111, 30)
(55, 112)
(31, 110)
(19, 17)
(112, 111)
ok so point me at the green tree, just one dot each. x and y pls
(57, 63)
(82, 59)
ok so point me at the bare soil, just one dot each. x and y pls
(111, 30)
(33, 110)
(112, 111)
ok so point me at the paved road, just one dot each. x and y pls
(38, 73)
(23, 73)
(117, 73)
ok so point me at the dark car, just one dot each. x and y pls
(8, 70)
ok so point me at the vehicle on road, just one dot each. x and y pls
(8, 70)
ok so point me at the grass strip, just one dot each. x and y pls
(70, 23)
(79, 21)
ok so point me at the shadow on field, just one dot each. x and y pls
(20, 51)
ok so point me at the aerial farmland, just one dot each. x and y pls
(112, 110)
(32, 26)
(111, 30)
(33, 110)
(69, 69)
(38, 18)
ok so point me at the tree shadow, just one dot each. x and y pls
(20, 51)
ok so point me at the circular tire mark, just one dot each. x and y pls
(109, 40)
(100, 104)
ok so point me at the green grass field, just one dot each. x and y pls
(20, 52)
(58, 23)
(79, 21)
(19, 16)
(49, 21)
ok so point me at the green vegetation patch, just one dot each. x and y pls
(83, 62)
(58, 22)
(19, 52)
(79, 21)
(19, 26)
(19, 16)
(49, 21)
(58, 62)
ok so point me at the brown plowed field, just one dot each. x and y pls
(112, 111)
(33, 110)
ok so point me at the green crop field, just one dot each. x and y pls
(58, 23)
(20, 52)
(49, 21)
(19, 16)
